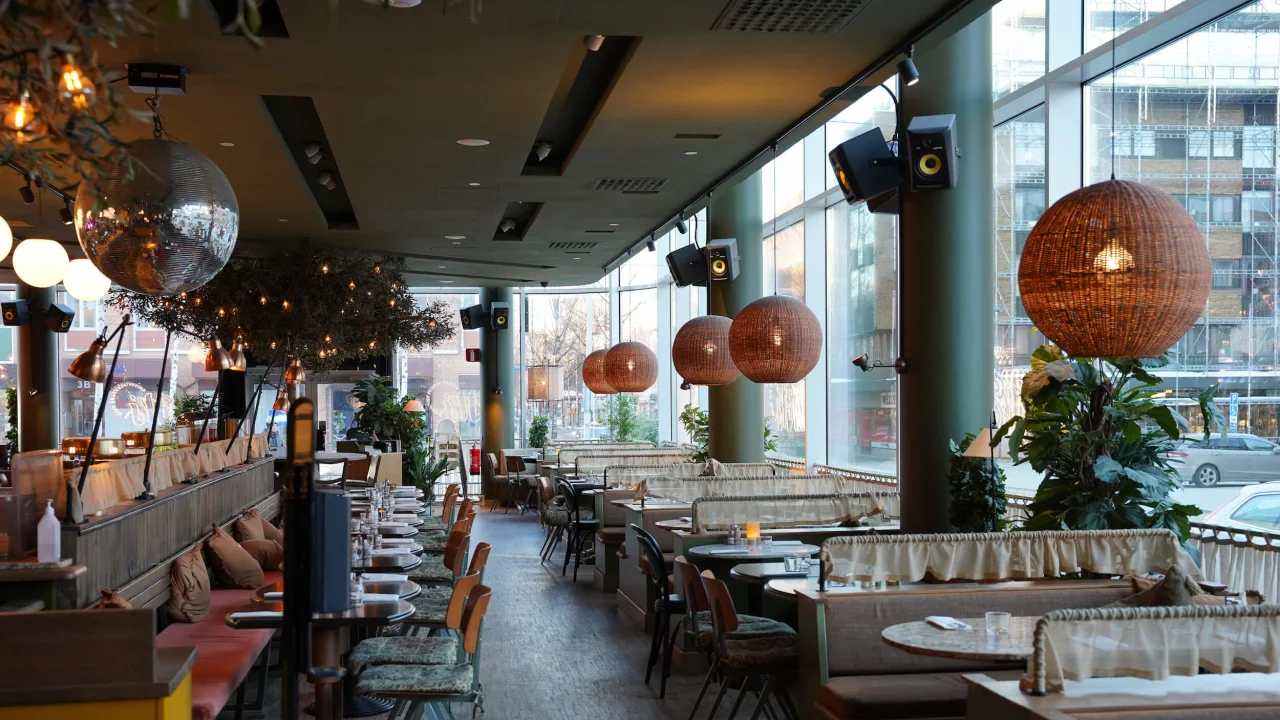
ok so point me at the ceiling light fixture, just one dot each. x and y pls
(542, 150)
(324, 178)
(474, 184)
(651, 245)
(227, 144)
(690, 152)
(507, 225)
(473, 142)
(593, 42)
(66, 216)
(28, 195)
(311, 149)
(283, 220)
(455, 237)
(907, 72)
(682, 226)
(613, 224)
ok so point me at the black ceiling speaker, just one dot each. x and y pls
(499, 316)
(688, 265)
(59, 317)
(722, 260)
(867, 170)
(15, 312)
(472, 317)
(931, 148)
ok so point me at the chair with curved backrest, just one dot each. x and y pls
(429, 685)
(443, 568)
(435, 610)
(580, 528)
(443, 610)
(520, 478)
(500, 482)
(666, 604)
(446, 512)
(554, 516)
(357, 469)
(744, 659)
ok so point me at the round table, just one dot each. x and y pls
(400, 532)
(388, 563)
(406, 590)
(921, 638)
(720, 551)
(757, 575)
(676, 524)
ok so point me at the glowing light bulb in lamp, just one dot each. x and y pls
(40, 262)
(1113, 258)
(84, 281)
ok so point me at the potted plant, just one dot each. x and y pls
(538, 430)
(421, 469)
(1093, 429)
(189, 409)
(977, 493)
(697, 424)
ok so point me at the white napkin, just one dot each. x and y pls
(383, 577)
(787, 542)
(729, 551)
(391, 524)
(388, 551)
(258, 614)
(276, 595)
(380, 597)
(397, 541)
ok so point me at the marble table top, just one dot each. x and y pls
(921, 638)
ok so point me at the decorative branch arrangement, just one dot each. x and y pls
(323, 310)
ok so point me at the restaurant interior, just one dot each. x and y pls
(649, 360)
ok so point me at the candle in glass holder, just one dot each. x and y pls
(753, 531)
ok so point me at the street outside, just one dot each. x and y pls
(1022, 480)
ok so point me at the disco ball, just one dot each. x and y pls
(168, 229)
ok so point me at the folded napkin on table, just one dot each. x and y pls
(380, 597)
(274, 595)
(258, 614)
(383, 577)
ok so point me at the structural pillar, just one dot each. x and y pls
(736, 410)
(947, 282)
(38, 420)
(497, 362)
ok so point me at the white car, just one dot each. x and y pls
(1256, 507)
(1237, 458)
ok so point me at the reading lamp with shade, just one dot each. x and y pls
(89, 365)
(981, 446)
(414, 406)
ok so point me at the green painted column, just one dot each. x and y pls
(737, 410)
(38, 419)
(948, 281)
(497, 359)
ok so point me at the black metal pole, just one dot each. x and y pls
(253, 419)
(155, 418)
(256, 393)
(295, 656)
(102, 406)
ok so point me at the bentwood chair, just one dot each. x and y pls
(746, 661)
(581, 528)
(356, 470)
(666, 604)
(431, 610)
(419, 685)
(436, 542)
(522, 482)
(555, 517)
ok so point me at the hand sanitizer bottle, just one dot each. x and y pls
(49, 537)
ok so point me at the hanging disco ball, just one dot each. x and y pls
(168, 229)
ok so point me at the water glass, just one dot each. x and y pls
(998, 623)
(766, 542)
(791, 563)
(357, 590)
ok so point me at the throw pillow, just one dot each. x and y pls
(267, 553)
(1146, 583)
(232, 565)
(189, 587)
(249, 527)
(1172, 591)
(271, 532)
(111, 600)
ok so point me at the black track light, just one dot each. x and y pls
(28, 195)
(682, 226)
(66, 215)
(651, 245)
(907, 72)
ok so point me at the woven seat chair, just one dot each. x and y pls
(443, 569)
(746, 660)
(418, 685)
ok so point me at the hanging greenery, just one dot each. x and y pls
(322, 310)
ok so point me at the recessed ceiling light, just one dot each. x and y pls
(474, 184)
(283, 220)
(577, 258)
(447, 282)
(227, 144)
(613, 224)
(455, 237)
(690, 152)
(456, 243)
(473, 142)
(441, 267)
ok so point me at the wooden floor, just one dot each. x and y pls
(553, 648)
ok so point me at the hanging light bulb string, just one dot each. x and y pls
(1114, 70)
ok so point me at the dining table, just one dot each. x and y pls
(757, 575)
(975, 643)
(404, 589)
(398, 563)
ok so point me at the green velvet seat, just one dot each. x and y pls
(749, 626)
(435, 650)
(760, 653)
(416, 680)
(431, 570)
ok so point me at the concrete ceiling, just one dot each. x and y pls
(396, 88)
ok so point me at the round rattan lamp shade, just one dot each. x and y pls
(630, 367)
(593, 374)
(775, 339)
(1115, 270)
(700, 352)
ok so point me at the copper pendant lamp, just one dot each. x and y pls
(593, 374)
(217, 358)
(775, 339)
(1115, 270)
(700, 351)
(238, 360)
(281, 404)
(630, 367)
(294, 374)
(89, 365)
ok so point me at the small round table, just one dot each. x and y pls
(757, 575)
(406, 590)
(675, 524)
(720, 551)
(921, 638)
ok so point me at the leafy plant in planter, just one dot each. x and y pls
(382, 414)
(697, 423)
(977, 494)
(1093, 430)
(189, 408)
(421, 470)
(538, 430)
(620, 417)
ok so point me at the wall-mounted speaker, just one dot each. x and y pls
(472, 317)
(866, 169)
(59, 317)
(688, 265)
(722, 260)
(499, 316)
(15, 312)
(932, 152)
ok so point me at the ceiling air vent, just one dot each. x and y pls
(790, 16)
(631, 186)
(576, 246)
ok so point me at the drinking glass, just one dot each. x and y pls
(998, 623)
(766, 542)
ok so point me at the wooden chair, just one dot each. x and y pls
(419, 685)
(357, 470)
(745, 661)
(500, 482)
(443, 568)
(553, 514)
(446, 512)
(520, 478)
(442, 649)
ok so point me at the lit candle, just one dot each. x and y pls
(753, 531)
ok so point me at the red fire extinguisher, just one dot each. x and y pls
(475, 461)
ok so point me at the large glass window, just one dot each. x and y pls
(562, 330)
(441, 378)
(784, 404)
(1018, 44)
(638, 322)
(1129, 14)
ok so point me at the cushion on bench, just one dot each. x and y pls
(224, 656)
(612, 535)
(896, 697)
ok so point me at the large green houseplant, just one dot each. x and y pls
(977, 493)
(1094, 431)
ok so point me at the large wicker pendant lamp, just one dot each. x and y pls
(630, 367)
(593, 374)
(775, 339)
(1115, 270)
(700, 352)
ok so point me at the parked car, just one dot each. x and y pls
(1256, 507)
(1239, 457)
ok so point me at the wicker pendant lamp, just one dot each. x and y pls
(593, 374)
(700, 352)
(1115, 270)
(775, 339)
(630, 367)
